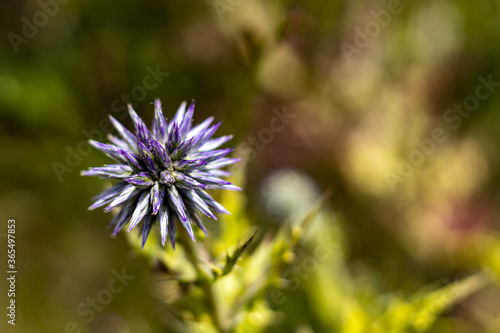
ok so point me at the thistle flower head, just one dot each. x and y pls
(163, 173)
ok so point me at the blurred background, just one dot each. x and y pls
(392, 105)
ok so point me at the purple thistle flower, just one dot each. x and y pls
(163, 173)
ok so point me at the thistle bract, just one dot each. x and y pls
(164, 173)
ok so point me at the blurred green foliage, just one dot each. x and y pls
(416, 242)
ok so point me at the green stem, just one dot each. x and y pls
(203, 278)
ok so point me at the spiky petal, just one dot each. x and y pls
(162, 174)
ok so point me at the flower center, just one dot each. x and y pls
(166, 178)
